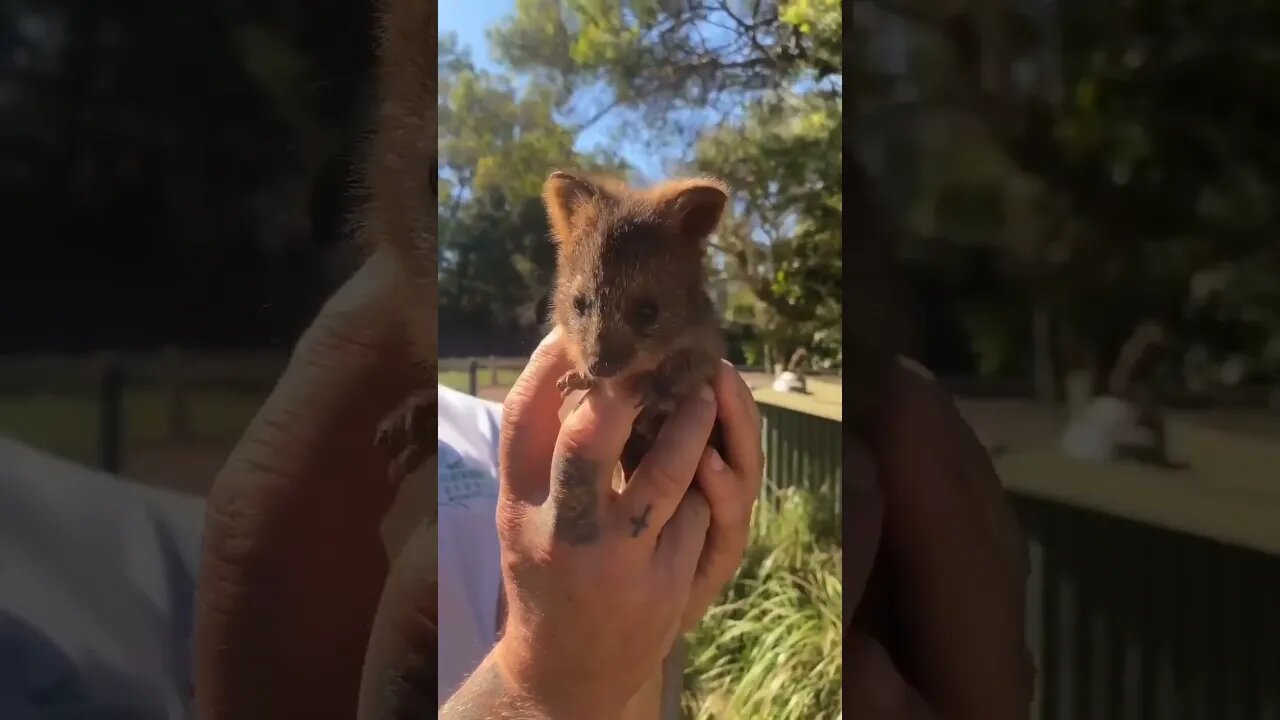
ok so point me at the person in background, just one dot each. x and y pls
(1128, 420)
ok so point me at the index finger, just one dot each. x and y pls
(530, 420)
(664, 474)
(740, 421)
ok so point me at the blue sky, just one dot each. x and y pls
(470, 18)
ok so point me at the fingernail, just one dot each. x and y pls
(707, 394)
(717, 462)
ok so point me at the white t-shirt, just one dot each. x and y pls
(1097, 429)
(470, 570)
(97, 578)
(97, 582)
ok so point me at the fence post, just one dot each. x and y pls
(493, 370)
(111, 414)
(473, 368)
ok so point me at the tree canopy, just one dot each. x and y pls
(1122, 158)
(746, 91)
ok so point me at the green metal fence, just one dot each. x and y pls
(1150, 598)
(1133, 621)
(801, 450)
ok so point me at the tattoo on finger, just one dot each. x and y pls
(641, 522)
(576, 502)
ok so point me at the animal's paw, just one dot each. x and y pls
(408, 434)
(573, 380)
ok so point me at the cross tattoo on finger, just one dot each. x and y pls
(638, 524)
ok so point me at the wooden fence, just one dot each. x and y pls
(487, 370)
(182, 382)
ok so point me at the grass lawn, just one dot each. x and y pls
(457, 379)
(67, 425)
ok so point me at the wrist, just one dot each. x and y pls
(540, 687)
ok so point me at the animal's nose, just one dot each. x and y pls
(602, 368)
(609, 357)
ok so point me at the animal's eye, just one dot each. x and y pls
(581, 303)
(643, 313)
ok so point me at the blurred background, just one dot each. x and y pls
(750, 91)
(175, 181)
(1083, 200)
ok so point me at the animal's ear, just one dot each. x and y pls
(565, 195)
(696, 205)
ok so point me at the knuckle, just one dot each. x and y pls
(510, 519)
(699, 508)
(513, 406)
(576, 433)
(663, 477)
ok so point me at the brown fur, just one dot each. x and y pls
(402, 181)
(630, 293)
(402, 170)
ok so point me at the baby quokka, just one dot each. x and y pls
(631, 292)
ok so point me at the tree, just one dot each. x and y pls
(754, 88)
(1125, 149)
(498, 142)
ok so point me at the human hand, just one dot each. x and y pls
(597, 581)
(731, 486)
(294, 561)
(956, 561)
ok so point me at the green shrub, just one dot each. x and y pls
(770, 648)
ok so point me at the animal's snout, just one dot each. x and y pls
(609, 360)
(602, 368)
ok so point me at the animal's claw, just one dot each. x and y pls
(573, 380)
(407, 434)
